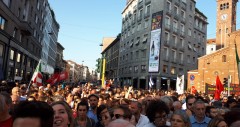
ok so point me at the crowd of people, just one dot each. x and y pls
(90, 106)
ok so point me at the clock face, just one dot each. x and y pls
(224, 16)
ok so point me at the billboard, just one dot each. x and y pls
(156, 29)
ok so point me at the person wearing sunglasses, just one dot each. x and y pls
(122, 112)
(190, 99)
(157, 112)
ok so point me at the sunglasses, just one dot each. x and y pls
(117, 116)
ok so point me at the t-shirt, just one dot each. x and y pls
(7, 123)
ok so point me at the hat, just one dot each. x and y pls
(95, 95)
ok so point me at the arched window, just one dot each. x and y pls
(224, 58)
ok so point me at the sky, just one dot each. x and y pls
(84, 24)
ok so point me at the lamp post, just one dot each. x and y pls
(103, 68)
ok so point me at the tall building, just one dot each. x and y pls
(21, 32)
(221, 62)
(160, 40)
(49, 42)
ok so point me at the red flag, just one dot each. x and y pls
(63, 75)
(219, 89)
(52, 80)
(194, 91)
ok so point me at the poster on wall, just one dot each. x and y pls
(154, 49)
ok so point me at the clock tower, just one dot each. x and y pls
(226, 21)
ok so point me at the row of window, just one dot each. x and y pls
(128, 70)
(135, 55)
(173, 70)
(224, 6)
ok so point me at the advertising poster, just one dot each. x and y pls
(155, 42)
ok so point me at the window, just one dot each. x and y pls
(175, 26)
(135, 69)
(147, 10)
(194, 60)
(11, 54)
(175, 10)
(167, 36)
(188, 58)
(181, 57)
(130, 69)
(146, 24)
(182, 28)
(145, 37)
(183, 14)
(143, 68)
(189, 32)
(14, 32)
(174, 39)
(38, 5)
(166, 53)
(2, 23)
(139, 27)
(181, 42)
(36, 18)
(18, 57)
(169, 5)
(173, 70)
(1, 50)
(224, 58)
(140, 14)
(167, 21)
(137, 54)
(174, 55)
(165, 69)
(144, 53)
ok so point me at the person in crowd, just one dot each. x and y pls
(120, 123)
(190, 99)
(180, 119)
(93, 101)
(136, 109)
(103, 116)
(211, 112)
(122, 112)
(177, 105)
(69, 100)
(82, 119)
(199, 119)
(157, 112)
(231, 103)
(232, 118)
(217, 122)
(63, 116)
(15, 99)
(33, 114)
(6, 119)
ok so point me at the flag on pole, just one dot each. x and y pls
(151, 83)
(194, 91)
(180, 84)
(57, 77)
(37, 75)
(219, 89)
(237, 60)
(63, 76)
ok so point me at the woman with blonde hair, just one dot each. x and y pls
(63, 116)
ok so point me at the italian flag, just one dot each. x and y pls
(37, 75)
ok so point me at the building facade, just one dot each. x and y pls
(21, 33)
(111, 54)
(222, 62)
(160, 39)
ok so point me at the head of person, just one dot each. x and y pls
(16, 91)
(157, 112)
(33, 114)
(15, 99)
(5, 106)
(180, 119)
(231, 103)
(177, 105)
(211, 111)
(190, 99)
(120, 123)
(82, 109)
(199, 109)
(62, 114)
(217, 122)
(122, 112)
(93, 100)
(168, 101)
(232, 117)
(135, 107)
(103, 115)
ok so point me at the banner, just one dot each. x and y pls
(154, 48)
(180, 84)
(57, 77)
(151, 83)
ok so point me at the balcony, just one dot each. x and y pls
(146, 15)
(183, 6)
(26, 28)
(168, 11)
(166, 42)
(182, 34)
(167, 27)
(147, 2)
(175, 30)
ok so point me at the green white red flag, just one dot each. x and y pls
(37, 75)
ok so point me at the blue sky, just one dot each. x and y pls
(84, 23)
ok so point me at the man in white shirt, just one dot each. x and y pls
(136, 109)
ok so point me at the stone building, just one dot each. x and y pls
(161, 39)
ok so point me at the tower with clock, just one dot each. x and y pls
(226, 21)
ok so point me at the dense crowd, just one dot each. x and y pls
(90, 106)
